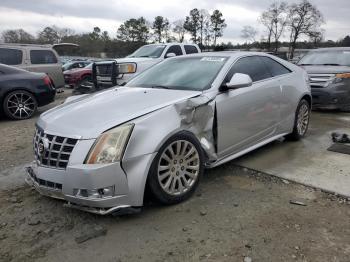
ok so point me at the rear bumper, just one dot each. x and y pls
(45, 98)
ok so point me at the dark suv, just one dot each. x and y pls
(329, 73)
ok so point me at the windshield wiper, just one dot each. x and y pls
(331, 64)
(305, 64)
(160, 86)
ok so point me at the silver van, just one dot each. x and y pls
(34, 58)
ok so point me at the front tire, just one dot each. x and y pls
(301, 122)
(19, 105)
(177, 168)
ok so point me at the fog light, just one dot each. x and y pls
(104, 192)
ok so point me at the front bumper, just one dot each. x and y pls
(63, 184)
(332, 97)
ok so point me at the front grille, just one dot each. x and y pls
(320, 80)
(104, 69)
(52, 151)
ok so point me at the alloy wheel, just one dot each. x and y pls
(178, 167)
(21, 105)
(303, 119)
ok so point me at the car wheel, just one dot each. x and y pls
(20, 105)
(301, 122)
(176, 169)
(84, 80)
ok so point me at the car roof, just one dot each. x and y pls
(173, 43)
(231, 54)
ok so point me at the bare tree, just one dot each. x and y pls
(275, 20)
(249, 33)
(17, 36)
(179, 30)
(204, 17)
(304, 19)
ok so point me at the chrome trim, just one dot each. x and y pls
(94, 210)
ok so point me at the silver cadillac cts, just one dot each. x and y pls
(100, 152)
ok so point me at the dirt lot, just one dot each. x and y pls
(236, 215)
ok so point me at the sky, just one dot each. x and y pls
(83, 15)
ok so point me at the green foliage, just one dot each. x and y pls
(161, 28)
(218, 24)
(134, 30)
(192, 24)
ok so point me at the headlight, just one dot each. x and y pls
(127, 68)
(110, 146)
(340, 77)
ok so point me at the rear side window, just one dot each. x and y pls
(10, 56)
(251, 66)
(42, 57)
(176, 49)
(190, 49)
(275, 68)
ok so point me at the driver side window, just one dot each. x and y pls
(176, 49)
(251, 66)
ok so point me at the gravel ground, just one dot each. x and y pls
(236, 215)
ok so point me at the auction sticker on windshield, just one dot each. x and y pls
(213, 59)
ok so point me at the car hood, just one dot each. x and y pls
(326, 69)
(89, 116)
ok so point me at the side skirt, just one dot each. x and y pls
(245, 151)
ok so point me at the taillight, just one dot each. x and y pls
(47, 81)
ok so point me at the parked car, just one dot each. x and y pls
(142, 59)
(21, 92)
(77, 76)
(329, 72)
(99, 152)
(34, 58)
(74, 65)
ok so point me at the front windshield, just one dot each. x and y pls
(89, 66)
(185, 73)
(153, 51)
(331, 57)
(67, 66)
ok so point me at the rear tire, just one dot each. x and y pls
(301, 122)
(19, 105)
(176, 170)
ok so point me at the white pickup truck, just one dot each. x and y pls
(120, 71)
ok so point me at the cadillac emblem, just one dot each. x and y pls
(43, 145)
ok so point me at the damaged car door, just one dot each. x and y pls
(247, 115)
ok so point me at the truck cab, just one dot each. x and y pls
(120, 71)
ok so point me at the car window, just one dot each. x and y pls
(10, 56)
(153, 51)
(326, 57)
(42, 57)
(183, 73)
(190, 49)
(274, 67)
(251, 66)
(176, 49)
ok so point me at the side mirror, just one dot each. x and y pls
(239, 80)
(168, 55)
